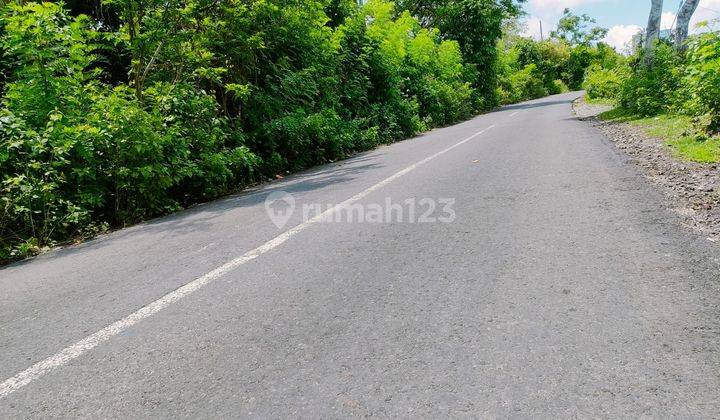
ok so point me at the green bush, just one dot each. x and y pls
(602, 83)
(151, 106)
(558, 86)
(680, 90)
(573, 69)
(652, 89)
(523, 84)
(529, 69)
(702, 80)
(76, 155)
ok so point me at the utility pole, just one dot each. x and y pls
(541, 31)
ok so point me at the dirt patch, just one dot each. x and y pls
(692, 190)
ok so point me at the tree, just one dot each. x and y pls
(574, 30)
(683, 22)
(652, 33)
(339, 10)
(476, 25)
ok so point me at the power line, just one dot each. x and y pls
(709, 9)
(677, 13)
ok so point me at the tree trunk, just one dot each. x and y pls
(683, 22)
(133, 16)
(652, 34)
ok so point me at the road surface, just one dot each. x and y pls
(561, 287)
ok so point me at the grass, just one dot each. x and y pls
(599, 101)
(677, 131)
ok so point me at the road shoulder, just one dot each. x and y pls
(690, 189)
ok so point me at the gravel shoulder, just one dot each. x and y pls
(691, 190)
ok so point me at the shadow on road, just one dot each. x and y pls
(200, 217)
(538, 104)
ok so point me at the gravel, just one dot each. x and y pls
(691, 189)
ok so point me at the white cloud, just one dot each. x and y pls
(667, 21)
(619, 36)
(707, 11)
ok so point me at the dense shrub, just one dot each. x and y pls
(476, 25)
(114, 114)
(652, 89)
(523, 84)
(669, 82)
(530, 69)
(702, 80)
(573, 69)
(601, 83)
(76, 155)
(558, 86)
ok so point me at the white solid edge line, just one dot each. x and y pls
(88, 343)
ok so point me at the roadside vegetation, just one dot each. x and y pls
(113, 112)
(671, 91)
(532, 69)
(678, 131)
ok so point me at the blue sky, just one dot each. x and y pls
(622, 17)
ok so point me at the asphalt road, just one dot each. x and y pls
(561, 288)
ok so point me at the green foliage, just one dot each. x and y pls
(114, 111)
(650, 90)
(76, 155)
(476, 25)
(702, 80)
(676, 130)
(523, 84)
(669, 83)
(573, 29)
(530, 69)
(573, 69)
(338, 11)
(672, 95)
(601, 83)
(559, 86)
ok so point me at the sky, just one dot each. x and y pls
(622, 18)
